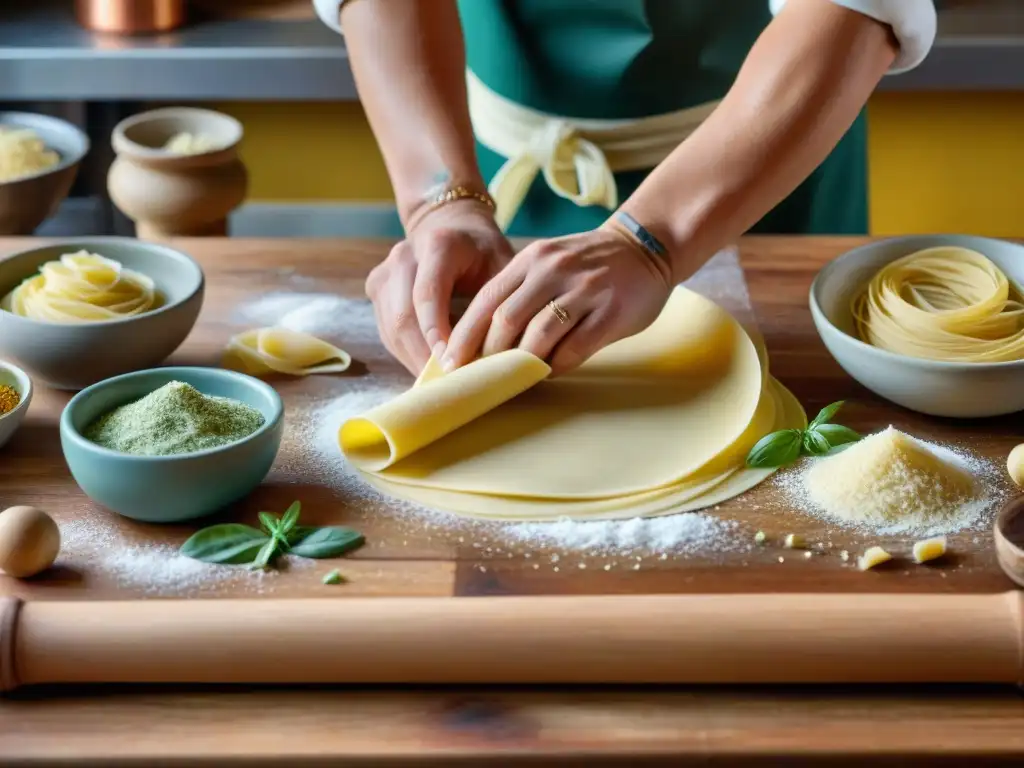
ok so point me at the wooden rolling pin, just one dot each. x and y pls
(603, 639)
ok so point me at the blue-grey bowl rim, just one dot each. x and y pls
(884, 355)
(33, 121)
(107, 239)
(67, 427)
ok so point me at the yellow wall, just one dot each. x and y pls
(938, 162)
(309, 152)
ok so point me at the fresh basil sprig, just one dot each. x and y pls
(238, 544)
(786, 446)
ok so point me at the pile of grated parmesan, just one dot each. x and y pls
(893, 479)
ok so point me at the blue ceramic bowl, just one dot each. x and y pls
(170, 489)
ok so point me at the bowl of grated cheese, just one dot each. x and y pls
(39, 159)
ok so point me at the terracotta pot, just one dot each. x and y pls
(169, 195)
(130, 17)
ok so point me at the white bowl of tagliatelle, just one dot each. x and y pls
(934, 323)
(79, 311)
(39, 159)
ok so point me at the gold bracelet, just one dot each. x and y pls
(451, 195)
(462, 193)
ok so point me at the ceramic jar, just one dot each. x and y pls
(176, 195)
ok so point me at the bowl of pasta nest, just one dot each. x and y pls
(39, 159)
(78, 311)
(934, 323)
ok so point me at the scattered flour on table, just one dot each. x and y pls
(95, 547)
(891, 483)
(314, 313)
(690, 532)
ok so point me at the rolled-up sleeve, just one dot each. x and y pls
(329, 12)
(912, 21)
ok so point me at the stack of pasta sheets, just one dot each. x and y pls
(655, 424)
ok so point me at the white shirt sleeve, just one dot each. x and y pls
(912, 21)
(329, 12)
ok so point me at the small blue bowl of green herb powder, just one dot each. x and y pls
(172, 444)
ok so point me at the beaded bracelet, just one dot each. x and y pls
(451, 195)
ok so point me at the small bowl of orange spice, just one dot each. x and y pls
(15, 395)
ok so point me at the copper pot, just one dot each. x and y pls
(130, 17)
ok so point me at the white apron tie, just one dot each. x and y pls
(577, 157)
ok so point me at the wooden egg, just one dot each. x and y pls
(29, 541)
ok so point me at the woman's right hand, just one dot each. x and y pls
(455, 248)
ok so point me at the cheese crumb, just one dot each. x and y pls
(844, 555)
(929, 549)
(872, 557)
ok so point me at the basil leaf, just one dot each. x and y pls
(269, 522)
(837, 434)
(825, 414)
(266, 554)
(776, 449)
(228, 543)
(815, 444)
(318, 543)
(334, 577)
(290, 517)
(838, 449)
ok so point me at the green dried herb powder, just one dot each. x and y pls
(175, 419)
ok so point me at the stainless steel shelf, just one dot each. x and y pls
(44, 54)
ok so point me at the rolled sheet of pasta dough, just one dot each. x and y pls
(436, 407)
(645, 412)
(721, 479)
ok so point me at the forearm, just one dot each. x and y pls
(800, 89)
(410, 70)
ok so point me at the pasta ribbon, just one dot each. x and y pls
(83, 287)
(23, 153)
(946, 303)
(280, 350)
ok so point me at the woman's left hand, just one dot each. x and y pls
(607, 285)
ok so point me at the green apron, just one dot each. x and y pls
(615, 59)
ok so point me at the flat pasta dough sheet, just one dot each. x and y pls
(644, 413)
(721, 479)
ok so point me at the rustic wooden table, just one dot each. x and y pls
(344, 726)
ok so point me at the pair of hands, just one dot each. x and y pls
(609, 287)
